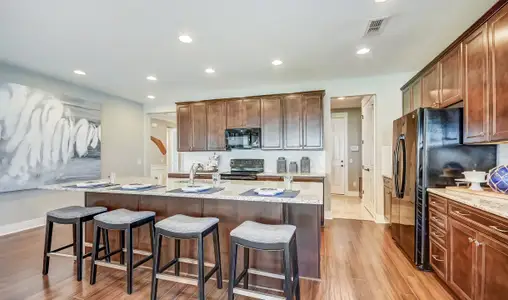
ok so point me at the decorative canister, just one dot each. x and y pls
(498, 179)
(293, 167)
(305, 165)
(281, 165)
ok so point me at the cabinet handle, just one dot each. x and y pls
(461, 213)
(433, 202)
(497, 229)
(478, 244)
(437, 235)
(436, 258)
(470, 239)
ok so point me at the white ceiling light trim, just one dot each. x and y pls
(151, 78)
(363, 51)
(79, 72)
(185, 39)
(151, 97)
(210, 70)
(277, 62)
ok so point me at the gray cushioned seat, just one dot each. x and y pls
(123, 216)
(263, 233)
(185, 224)
(73, 212)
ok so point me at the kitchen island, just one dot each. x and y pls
(303, 211)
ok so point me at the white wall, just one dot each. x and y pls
(317, 159)
(388, 108)
(122, 148)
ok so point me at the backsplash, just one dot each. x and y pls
(502, 154)
(317, 158)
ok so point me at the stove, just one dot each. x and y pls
(244, 169)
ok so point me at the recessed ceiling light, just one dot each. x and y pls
(363, 51)
(79, 72)
(151, 78)
(379, 1)
(277, 62)
(185, 39)
(151, 97)
(210, 71)
(341, 98)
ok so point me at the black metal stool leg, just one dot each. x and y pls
(177, 256)
(296, 272)
(95, 253)
(47, 246)
(105, 241)
(130, 258)
(122, 246)
(74, 239)
(288, 286)
(79, 250)
(201, 268)
(216, 245)
(232, 268)
(246, 266)
(156, 263)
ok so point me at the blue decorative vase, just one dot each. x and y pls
(498, 179)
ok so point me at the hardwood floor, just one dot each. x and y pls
(359, 261)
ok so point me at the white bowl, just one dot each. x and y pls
(474, 176)
(91, 183)
(196, 188)
(136, 186)
(268, 191)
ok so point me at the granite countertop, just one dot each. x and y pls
(310, 192)
(496, 206)
(323, 175)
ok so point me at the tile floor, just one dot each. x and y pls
(349, 207)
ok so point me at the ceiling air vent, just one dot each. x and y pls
(376, 26)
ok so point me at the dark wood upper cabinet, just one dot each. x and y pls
(312, 121)
(451, 77)
(498, 26)
(491, 269)
(271, 123)
(430, 87)
(184, 124)
(406, 101)
(476, 87)
(293, 131)
(199, 132)
(462, 259)
(416, 94)
(235, 113)
(216, 125)
(252, 112)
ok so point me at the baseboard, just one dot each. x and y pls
(22, 226)
(328, 215)
(353, 193)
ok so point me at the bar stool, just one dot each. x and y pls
(77, 216)
(124, 220)
(181, 227)
(268, 238)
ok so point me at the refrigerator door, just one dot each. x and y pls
(398, 127)
(407, 197)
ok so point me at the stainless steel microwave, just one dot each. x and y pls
(243, 138)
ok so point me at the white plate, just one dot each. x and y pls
(136, 186)
(196, 188)
(268, 191)
(91, 183)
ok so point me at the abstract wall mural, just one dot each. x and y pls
(45, 139)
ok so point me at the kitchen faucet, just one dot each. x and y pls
(194, 168)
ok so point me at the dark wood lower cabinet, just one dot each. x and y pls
(462, 259)
(492, 269)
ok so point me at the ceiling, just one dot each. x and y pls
(120, 42)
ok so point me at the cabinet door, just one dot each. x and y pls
(498, 25)
(252, 113)
(406, 101)
(312, 122)
(387, 201)
(492, 269)
(271, 123)
(430, 88)
(199, 133)
(216, 125)
(416, 94)
(184, 124)
(476, 84)
(462, 259)
(293, 122)
(451, 77)
(235, 113)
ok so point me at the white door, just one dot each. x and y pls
(339, 133)
(368, 153)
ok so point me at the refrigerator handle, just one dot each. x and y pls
(402, 140)
(396, 168)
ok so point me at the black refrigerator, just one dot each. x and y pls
(428, 152)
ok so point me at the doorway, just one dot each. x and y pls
(162, 156)
(350, 183)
